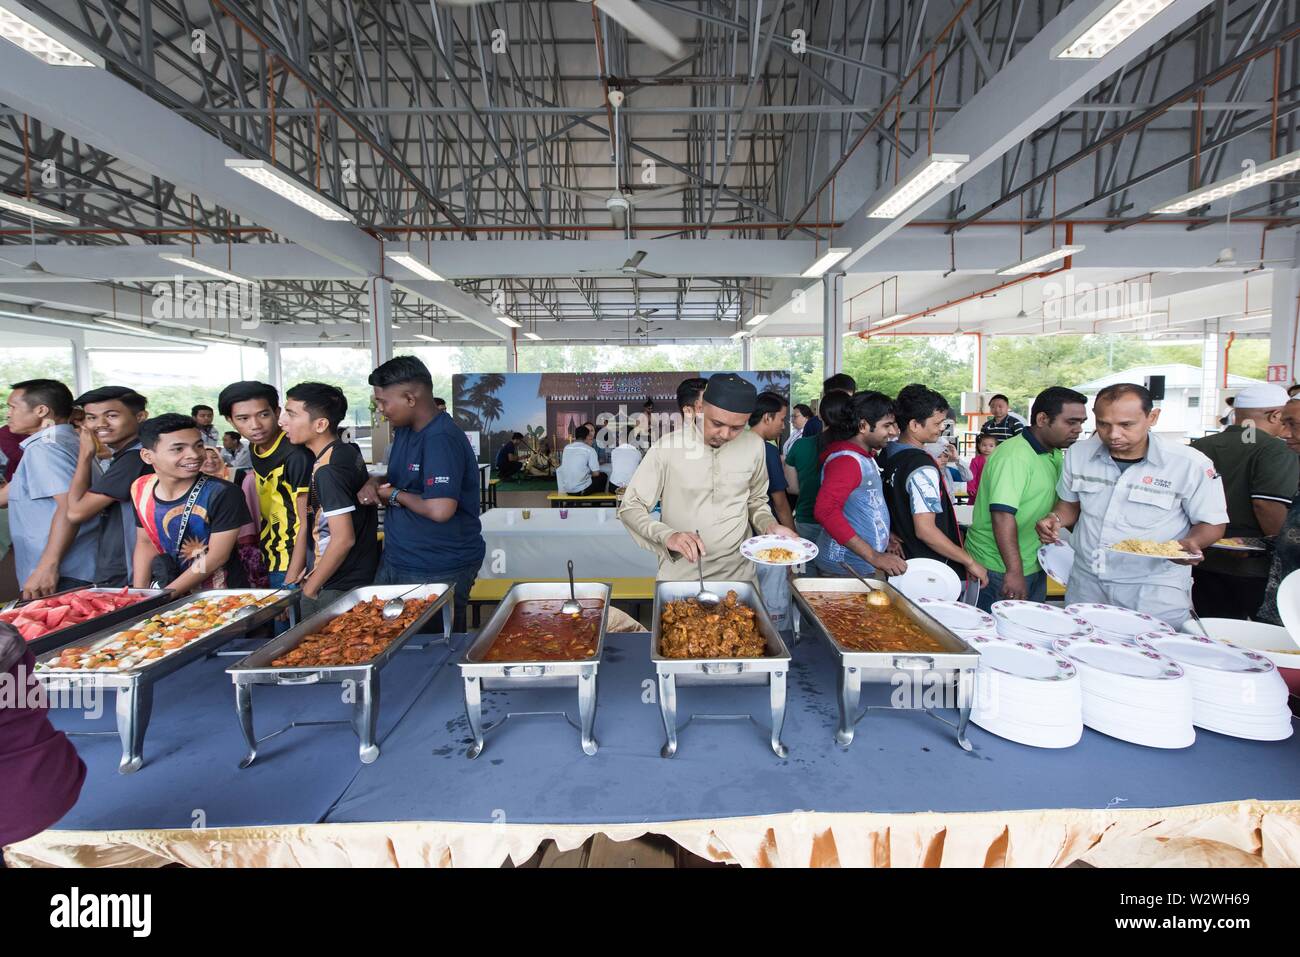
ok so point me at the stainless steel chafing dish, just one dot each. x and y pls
(152, 599)
(480, 675)
(769, 670)
(955, 664)
(257, 669)
(134, 686)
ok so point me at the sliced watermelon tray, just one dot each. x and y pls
(56, 620)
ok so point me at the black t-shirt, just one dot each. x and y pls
(336, 478)
(117, 522)
(219, 507)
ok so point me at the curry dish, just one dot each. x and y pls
(354, 637)
(860, 626)
(537, 631)
(692, 630)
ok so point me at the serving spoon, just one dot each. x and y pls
(571, 606)
(258, 605)
(705, 597)
(394, 607)
(875, 596)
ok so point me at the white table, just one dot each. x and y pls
(539, 546)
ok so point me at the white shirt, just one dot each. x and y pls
(577, 462)
(1157, 499)
(623, 461)
(795, 436)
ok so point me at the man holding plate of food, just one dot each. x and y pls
(1124, 486)
(710, 480)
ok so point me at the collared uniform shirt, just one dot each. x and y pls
(623, 462)
(1157, 499)
(44, 471)
(577, 462)
(720, 492)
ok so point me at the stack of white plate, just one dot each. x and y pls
(1111, 621)
(957, 616)
(1026, 693)
(1036, 622)
(1132, 692)
(1234, 691)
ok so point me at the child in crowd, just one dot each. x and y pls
(984, 447)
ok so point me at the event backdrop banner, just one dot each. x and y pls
(546, 407)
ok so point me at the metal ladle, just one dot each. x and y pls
(571, 606)
(258, 605)
(705, 597)
(394, 607)
(875, 596)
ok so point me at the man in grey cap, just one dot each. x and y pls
(710, 480)
(1259, 480)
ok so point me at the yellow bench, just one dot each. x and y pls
(490, 591)
(563, 500)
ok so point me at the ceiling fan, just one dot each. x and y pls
(631, 269)
(630, 17)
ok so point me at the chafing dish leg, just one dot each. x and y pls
(965, 700)
(474, 711)
(244, 709)
(365, 715)
(587, 711)
(134, 705)
(668, 709)
(850, 691)
(778, 712)
(796, 624)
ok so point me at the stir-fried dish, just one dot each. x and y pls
(538, 631)
(858, 625)
(692, 630)
(354, 637)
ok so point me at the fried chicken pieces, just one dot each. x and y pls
(691, 630)
(354, 637)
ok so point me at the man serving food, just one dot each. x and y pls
(710, 476)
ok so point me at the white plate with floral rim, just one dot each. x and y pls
(1056, 559)
(1022, 659)
(957, 616)
(1116, 658)
(776, 550)
(1114, 620)
(927, 578)
(1042, 619)
(1203, 653)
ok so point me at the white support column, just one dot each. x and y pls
(832, 323)
(1286, 313)
(381, 320)
(80, 363)
(512, 351)
(1212, 362)
(747, 354)
(980, 367)
(274, 367)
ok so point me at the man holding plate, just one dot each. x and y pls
(1125, 483)
(710, 476)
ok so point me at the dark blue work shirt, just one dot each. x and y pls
(435, 462)
(775, 473)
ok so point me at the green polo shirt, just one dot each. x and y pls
(1019, 478)
(804, 459)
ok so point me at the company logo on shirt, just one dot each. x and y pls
(1211, 473)
(1157, 482)
(413, 467)
(439, 480)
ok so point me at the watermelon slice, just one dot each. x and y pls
(55, 616)
(28, 630)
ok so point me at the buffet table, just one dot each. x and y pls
(904, 794)
(526, 548)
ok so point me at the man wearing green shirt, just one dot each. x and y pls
(1017, 488)
(803, 465)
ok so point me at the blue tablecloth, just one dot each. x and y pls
(533, 770)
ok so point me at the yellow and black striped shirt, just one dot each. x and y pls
(283, 473)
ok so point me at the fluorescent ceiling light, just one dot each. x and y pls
(508, 321)
(1042, 259)
(827, 260)
(421, 335)
(191, 263)
(936, 168)
(1107, 27)
(34, 210)
(1256, 176)
(140, 330)
(532, 335)
(42, 40)
(415, 265)
(757, 319)
(279, 182)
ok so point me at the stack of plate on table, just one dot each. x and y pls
(1036, 622)
(1111, 621)
(1026, 693)
(1234, 691)
(957, 616)
(1132, 692)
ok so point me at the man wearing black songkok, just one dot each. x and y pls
(710, 476)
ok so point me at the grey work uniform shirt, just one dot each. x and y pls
(1157, 499)
(49, 459)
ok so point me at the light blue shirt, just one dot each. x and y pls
(49, 459)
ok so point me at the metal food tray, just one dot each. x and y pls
(257, 669)
(134, 686)
(154, 598)
(957, 662)
(769, 670)
(480, 675)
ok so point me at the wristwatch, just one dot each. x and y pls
(392, 499)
